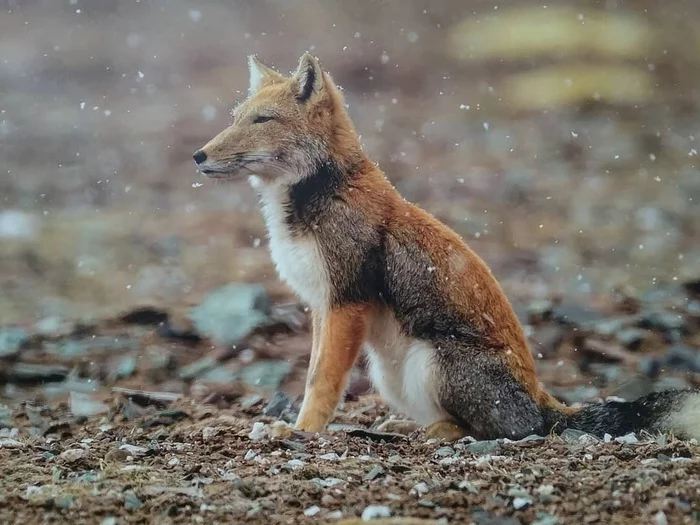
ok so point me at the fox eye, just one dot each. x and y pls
(260, 119)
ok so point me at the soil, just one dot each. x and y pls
(192, 463)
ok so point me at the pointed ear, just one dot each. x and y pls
(309, 77)
(260, 74)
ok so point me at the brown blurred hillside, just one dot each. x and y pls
(562, 142)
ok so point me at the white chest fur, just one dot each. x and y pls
(297, 258)
(402, 370)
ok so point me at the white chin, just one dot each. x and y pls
(255, 181)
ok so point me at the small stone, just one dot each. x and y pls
(12, 341)
(83, 405)
(258, 432)
(627, 439)
(266, 374)
(660, 518)
(232, 312)
(72, 455)
(331, 456)
(573, 436)
(683, 357)
(277, 404)
(126, 367)
(312, 511)
(484, 447)
(295, 464)
(374, 473)
(373, 512)
(173, 462)
(131, 501)
(133, 450)
(444, 451)
(109, 520)
(64, 502)
(632, 338)
(10, 443)
(208, 433)
(521, 503)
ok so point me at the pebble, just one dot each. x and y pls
(277, 404)
(331, 456)
(295, 464)
(627, 439)
(521, 503)
(131, 501)
(133, 450)
(173, 462)
(484, 447)
(10, 443)
(12, 341)
(208, 433)
(373, 512)
(258, 432)
(72, 454)
(312, 511)
(660, 518)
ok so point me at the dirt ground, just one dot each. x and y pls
(187, 463)
(196, 436)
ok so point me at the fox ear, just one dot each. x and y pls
(309, 77)
(260, 74)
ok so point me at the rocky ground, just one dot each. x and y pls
(172, 415)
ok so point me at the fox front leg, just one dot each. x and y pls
(341, 332)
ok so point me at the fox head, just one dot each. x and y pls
(285, 127)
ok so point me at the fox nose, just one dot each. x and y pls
(199, 156)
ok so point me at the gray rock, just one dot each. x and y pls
(12, 341)
(444, 452)
(277, 404)
(632, 338)
(573, 436)
(85, 405)
(197, 368)
(219, 374)
(484, 447)
(372, 512)
(682, 357)
(126, 367)
(230, 313)
(131, 501)
(34, 373)
(67, 350)
(672, 324)
(577, 315)
(266, 374)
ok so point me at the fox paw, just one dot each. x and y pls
(445, 430)
(398, 426)
(280, 430)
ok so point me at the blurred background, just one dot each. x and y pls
(560, 140)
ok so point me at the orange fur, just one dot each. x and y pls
(341, 334)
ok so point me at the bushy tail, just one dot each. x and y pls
(674, 411)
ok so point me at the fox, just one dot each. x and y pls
(382, 276)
